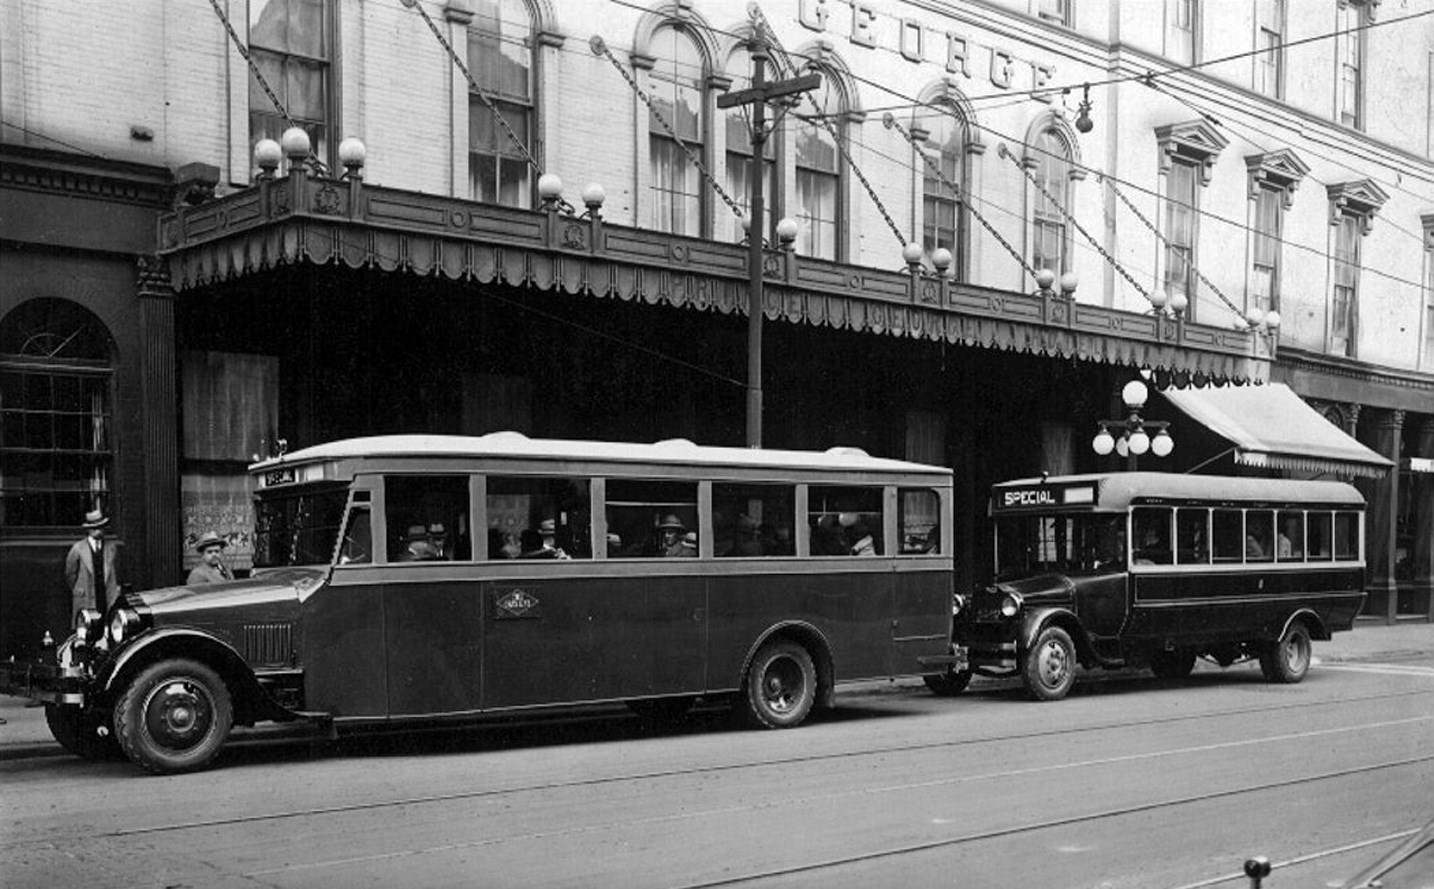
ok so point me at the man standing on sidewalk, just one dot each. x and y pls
(90, 571)
(212, 568)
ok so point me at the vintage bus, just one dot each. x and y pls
(408, 579)
(1151, 569)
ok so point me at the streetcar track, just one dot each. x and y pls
(1305, 859)
(728, 767)
(667, 818)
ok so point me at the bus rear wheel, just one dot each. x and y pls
(1287, 660)
(781, 685)
(1173, 664)
(1050, 665)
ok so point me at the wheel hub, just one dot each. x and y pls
(178, 714)
(1053, 664)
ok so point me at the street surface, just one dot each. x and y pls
(1131, 782)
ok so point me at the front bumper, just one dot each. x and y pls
(51, 683)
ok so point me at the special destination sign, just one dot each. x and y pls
(1039, 496)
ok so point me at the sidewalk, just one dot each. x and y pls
(24, 733)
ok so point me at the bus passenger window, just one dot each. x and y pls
(1291, 544)
(1259, 536)
(1346, 536)
(428, 518)
(538, 518)
(1228, 535)
(752, 520)
(652, 519)
(1151, 527)
(1321, 533)
(1192, 536)
(845, 521)
(918, 521)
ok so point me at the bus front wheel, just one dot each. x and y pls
(1287, 660)
(781, 685)
(1050, 666)
(174, 717)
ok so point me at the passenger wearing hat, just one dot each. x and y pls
(543, 543)
(418, 548)
(90, 566)
(211, 568)
(669, 537)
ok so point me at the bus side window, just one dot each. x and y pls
(1228, 532)
(753, 520)
(1321, 533)
(918, 520)
(845, 521)
(1291, 544)
(1152, 535)
(1259, 535)
(357, 546)
(1346, 536)
(1192, 536)
(651, 519)
(428, 518)
(538, 517)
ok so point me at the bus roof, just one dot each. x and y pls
(518, 446)
(1116, 491)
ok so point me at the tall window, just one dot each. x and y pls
(1058, 11)
(1269, 40)
(677, 81)
(1265, 253)
(1428, 311)
(818, 166)
(1052, 171)
(1181, 227)
(56, 415)
(1351, 63)
(941, 205)
(1180, 30)
(1344, 311)
(289, 43)
(500, 58)
(739, 147)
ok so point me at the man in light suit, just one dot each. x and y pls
(90, 570)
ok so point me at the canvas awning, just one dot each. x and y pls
(1270, 426)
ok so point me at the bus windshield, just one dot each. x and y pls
(1066, 544)
(297, 527)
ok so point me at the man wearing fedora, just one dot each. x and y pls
(90, 569)
(211, 567)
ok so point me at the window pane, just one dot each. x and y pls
(1321, 535)
(1259, 536)
(816, 213)
(753, 520)
(1151, 529)
(538, 518)
(919, 520)
(1228, 530)
(428, 518)
(651, 519)
(845, 521)
(1291, 544)
(1192, 536)
(500, 48)
(1346, 535)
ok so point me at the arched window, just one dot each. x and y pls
(678, 78)
(818, 165)
(942, 214)
(56, 415)
(739, 145)
(500, 58)
(1051, 157)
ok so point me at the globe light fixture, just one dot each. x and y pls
(295, 143)
(1162, 444)
(1135, 394)
(786, 230)
(1139, 441)
(1272, 320)
(1104, 442)
(1068, 284)
(1134, 436)
(267, 155)
(550, 187)
(1159, 299)
(1179, 302)
(941, 258)
(352, 154)
(911, 254)
(593, 197)
(1045, 278)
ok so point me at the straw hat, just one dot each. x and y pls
(209, 539)
(671, 523)
(95, 518)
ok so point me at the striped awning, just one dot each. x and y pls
(1272, 427)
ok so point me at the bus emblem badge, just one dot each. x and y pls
(516, 604)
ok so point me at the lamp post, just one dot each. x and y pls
(1135, 439)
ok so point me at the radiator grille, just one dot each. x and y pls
(268, 644)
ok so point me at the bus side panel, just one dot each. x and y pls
(344, 657)
(921, 617)
(434, 633)
(1229, 607)
(850, 609)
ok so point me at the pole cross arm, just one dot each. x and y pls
(770, 91)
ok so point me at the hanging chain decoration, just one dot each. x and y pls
(759, 21)
(892, 123)
(1114, 263)
(1162, 239)
(600, 47)
(473, 85)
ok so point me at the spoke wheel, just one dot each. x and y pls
(1288, 660)
(781, 686)
(1050, 665)
(174, 716)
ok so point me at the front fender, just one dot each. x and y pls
(1037, 619)
(252, 702)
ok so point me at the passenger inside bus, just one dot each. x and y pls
(1152, 535)
(416, 546)
(669, 537)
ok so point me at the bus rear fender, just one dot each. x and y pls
(1312, 621)
(810, 638)
(1037, 619)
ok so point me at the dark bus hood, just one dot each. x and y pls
(275, 593)
(1040, 589)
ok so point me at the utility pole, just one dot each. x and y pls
(760, 93)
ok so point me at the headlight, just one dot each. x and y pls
(1010, 605)
(88, 626)
(958, 602)
(123, 624)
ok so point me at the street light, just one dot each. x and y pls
(1135, 439)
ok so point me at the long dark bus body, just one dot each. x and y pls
(1151, 569)
(413, 579)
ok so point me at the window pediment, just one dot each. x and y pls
(1196, 141)
(1281, 170)
(1361, 199)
